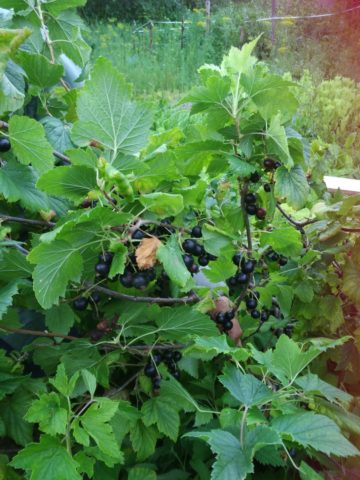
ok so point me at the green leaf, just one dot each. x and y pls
(73, 183)
(304, 291)
(119, 261)
(292, 185)
(143, 439)
(311, 383)
(61, 381)
(29, 143)
(163, 204)
(351, 282)
(316, 431)
(107, 115)
(60, 5)
(48, 413)
(90, 381)
(221, 268)
(6, 295)
(13, 409)
(12, 89)
(240, 61)
(95, 422)
(307, 473)
(57, 133)
(57, 264)
(163, 414)
(13, 265)
(10, 41)
(39, 70)
(277, 142)
(285, 240)
(213, 346)
(140, 473)
(55, 464)
(169, 255)
(245, 387)
(60, 319)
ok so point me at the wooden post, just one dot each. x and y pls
(182, 39)
(151, 35)
(208, 14)
(273, 22)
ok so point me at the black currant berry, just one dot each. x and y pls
(126, 280)
(273, 256)
(176, 374)
(251, 209)
(157, 358)
(264, 316)
(150, 274)
(288, 330)
(255, 314)
(261, 213)
(275, 312)
(156, 381)
(250, 198)
(248, 266)
(86, 203)
(283, 261)
(102, 269)
(232, 281)
(177, 356)
(199, 250)
(269, 164)
(203, 260)
(255, 177)
(95, 297)
(189, 246)
(196, 232)
(228, 325)
(221, 318)
(242, 278)
(267, 187)
(140, 281)
(188, 260)
(5, 145)
(230, 314)
(150, 370)
(106, 257)
(194, 268)
(251, 303)
(277, 165)
(138, 235)
(80, 303)
(237, 258)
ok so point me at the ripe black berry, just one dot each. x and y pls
(194, 268)
(157, 357)
(288, 330)
(228, 325)
(138, 235)
(264, 316)
(248, 266)
(106, 257)
(80, 303)
(255, 177)
(188, 260)
(283, 261)
(242, 278)
(277, 164)
(140, 281)
(267, 187)
(177, 356)
(255, 314)
(221, 318)
(232, 281)
(86, 203)
(261, 213)
(276, 312)
(176, 374)
(251, 303)
(196, 232)
(126, 280)
(5, 145)
(273, 256)
(102, 269)
(250, 198)
(156, 381)
(199, 250)
(189, 246)
(150, 370)
(251, 209)
(95, 297)
(269, 164)
(150, 274)
(237, 258)
(203, 260)
(230, 314)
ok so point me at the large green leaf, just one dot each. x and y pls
(292, 185)
(163, 204)
(73, 182)
(107, 115)
(48, 413)
(60, 5)
(13, 265)
(10, 41)
(60, 318)
(316, 431)
(143, 439)
(163, 414)
(285, 240)
(57, 264)
(277, 143)
(29, 143)
(12, 411)
(39, 70)
(169, 255)
(12, 88)
(311, 383)
(57, 133)
(6, 295)
(55, 464)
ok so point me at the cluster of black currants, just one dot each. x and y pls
(270, 166)
(246, 268)
(170, 359)
(273, 256)
(192, 249)
(137, 279)
(102, 268)
(252, 302)
(81, 303)
(252, 208)
(5, 144)
(224, 320)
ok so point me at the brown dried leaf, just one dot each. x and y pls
(146, 252)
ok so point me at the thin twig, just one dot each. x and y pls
(27, 221)
(192, 298)
(299, 225)
(243, 191)
(36, 333)
(350, 230)
(116, 391)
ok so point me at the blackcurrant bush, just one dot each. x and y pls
(4, 145)
(203, 260)
(283, 261)
(267, 187)
(150, 370)
(237, 258)
(95, 297)
(264, 316)
(251, 303)
(140, 281)
(251, 209)
(80, 303)
(269, 164)
(189, 246)
(261, 213)
(250, 198)
(194, 268)
(102, 269)
(138, 235)
(255, 314)
(106, 257)
(196, 232)
(126, 280)
(188, 260)
(242, 278)
(228, 325)
(177, 356)
(220, 318)
(255, 177)
(248, 266)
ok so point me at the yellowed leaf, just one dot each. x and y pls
(146, 252)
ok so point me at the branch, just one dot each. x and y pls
(192, 298)
(27, 221)
(36, 333)
(299, 225)
(350, 230)
(243, 191)
(60, 156)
